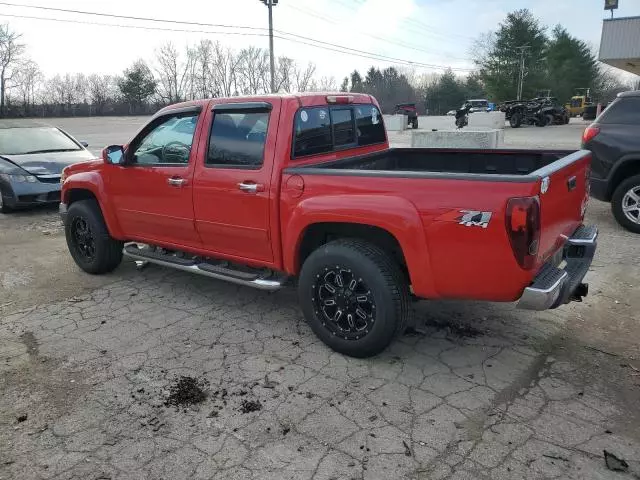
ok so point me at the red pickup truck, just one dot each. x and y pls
(261, 190)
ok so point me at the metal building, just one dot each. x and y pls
(620, 43)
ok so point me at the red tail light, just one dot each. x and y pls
(523, 229)
(589, 133)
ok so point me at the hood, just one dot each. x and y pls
(49, 163)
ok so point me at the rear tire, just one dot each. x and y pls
(415, 124)
(623, 197)
(371, 308)
(88, 239)
(515, 120)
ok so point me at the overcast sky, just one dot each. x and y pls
(430, 32)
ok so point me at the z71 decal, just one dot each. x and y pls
(474, 218)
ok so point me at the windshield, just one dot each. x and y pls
(21, 141)
(479, 103)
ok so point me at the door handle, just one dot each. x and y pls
(251, 187)
(176, 181)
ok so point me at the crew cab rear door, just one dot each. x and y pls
(232, 188)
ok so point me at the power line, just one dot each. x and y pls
(424, 28)
(315, 14)
(201, 24)
(324, 46)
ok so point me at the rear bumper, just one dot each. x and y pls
(560, 283)
(599, 188)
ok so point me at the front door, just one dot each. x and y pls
(232, 190)
(152, 192)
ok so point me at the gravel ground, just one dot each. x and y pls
(155, 374)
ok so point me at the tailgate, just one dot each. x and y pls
(564, 193)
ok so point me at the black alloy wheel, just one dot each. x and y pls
(83, 239)
(345, 303)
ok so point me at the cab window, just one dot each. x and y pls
(325, 129)
(237, 139)
(167, 142)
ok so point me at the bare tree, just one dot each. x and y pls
(102, 89)
(302, 78)
(202, 70)
(10, 52)
(285, 68)
(225, 69)
(173, 72)
(253, 71)
(27, 79)
(327, 84)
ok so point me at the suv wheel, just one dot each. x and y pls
(88, 239)
(354, 297)
(625, 204)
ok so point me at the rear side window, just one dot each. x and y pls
(237, 140)
(623, 111)
(325, 129)
(369, 125)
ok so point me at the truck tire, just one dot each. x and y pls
(625, 204)
(354, 297)
(88, 239)
(515, 120)
(415, 124)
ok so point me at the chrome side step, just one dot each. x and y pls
(219, 273)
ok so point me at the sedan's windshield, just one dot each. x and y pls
(21, 141)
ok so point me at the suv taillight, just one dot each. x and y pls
(523, 229)
(589, 133)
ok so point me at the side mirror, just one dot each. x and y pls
(84, 144)
(113, 154)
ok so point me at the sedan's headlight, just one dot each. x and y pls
(18, 178)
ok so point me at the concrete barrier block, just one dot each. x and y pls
(464, 138)
(395, 123)
(488, 120)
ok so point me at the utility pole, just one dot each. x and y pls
(270, 4)
(522, 50)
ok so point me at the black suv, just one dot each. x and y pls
(614, 140)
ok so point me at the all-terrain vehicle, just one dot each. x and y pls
(552, 111)
(410, 110)
(519, 112)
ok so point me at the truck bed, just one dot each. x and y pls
(494, 165)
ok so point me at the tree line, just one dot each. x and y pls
(204, 70)
(557, 62)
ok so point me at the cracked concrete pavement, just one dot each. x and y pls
(484, 392)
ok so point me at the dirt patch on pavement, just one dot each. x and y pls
(187, 391)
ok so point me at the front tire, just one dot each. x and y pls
(354, 296)
(88, 239)
(4, 208)
(515, 120)
(625, 204)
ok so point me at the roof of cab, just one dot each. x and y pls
(304, 99)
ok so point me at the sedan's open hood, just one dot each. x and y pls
(48, 163)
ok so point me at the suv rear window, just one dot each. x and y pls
(623, 111)
(325, 129)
